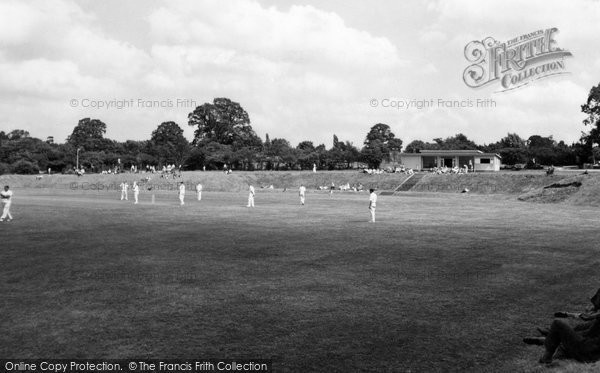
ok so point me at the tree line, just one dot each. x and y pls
(224, 136)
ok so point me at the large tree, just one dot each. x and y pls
(88, 134)
(224, 122)
(416, 146)
(512, 140)
(168, 143)
(542, 150)
(588, 140)
(456, 142)
(216, 155)
(592, 109)
(379, 143)
(280, 152)
(512, 148)
(307, 155)
(20, 153)
(3, 139)
(342, 154)
(18, 134)
(537, 141)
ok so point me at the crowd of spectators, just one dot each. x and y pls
(389, 170)
(451, 170)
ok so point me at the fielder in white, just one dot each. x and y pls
(181, 192)
(302, 193)
(6, 197)
(372, 204)
(199, 191)
(136, 192)
(250, 196)
(124, 186)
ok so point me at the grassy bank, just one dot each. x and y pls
(213, 181)
(487, 183)
(529, 186)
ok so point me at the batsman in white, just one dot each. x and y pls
(124, 186)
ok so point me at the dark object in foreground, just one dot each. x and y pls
(581, 342)
(575, 184)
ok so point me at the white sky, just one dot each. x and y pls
(304, 70)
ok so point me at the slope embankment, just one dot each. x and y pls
(571, 187)
(211, 180)
(582, 189)
(487, 183)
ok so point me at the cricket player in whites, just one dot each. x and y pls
(181, 192)
(136, 192)
(372, 204)
(302, 193)
(250, 196)
(124, 186)
(199, 191)
(6, 197)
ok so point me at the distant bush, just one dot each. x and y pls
(4, 168)
(25, 167)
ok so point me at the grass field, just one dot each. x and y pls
(442, 282)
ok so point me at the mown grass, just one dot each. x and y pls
(440, 283)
